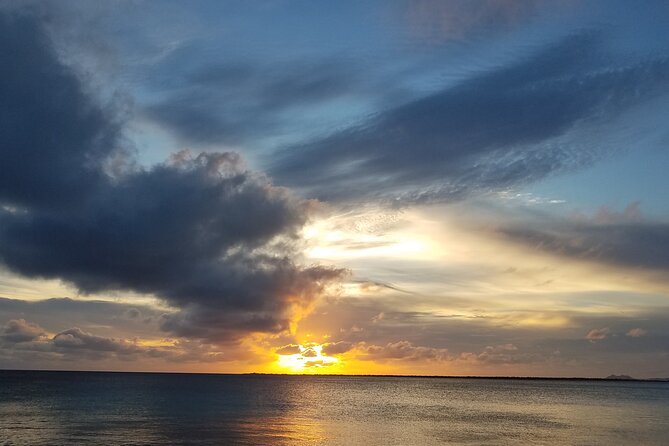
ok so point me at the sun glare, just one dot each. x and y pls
(327, 240)
(310, 360)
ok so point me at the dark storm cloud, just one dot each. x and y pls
(230, 103)
(191, 232)
(170, 225)
(498, 129)
(199, 231)
(53, 136)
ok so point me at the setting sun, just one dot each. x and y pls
(310, 359)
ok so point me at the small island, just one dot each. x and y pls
(620, 377)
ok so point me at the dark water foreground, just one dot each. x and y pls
(133, 408)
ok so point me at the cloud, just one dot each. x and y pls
(188, 351)
(597, 334)
(198, 231)
(510, 125)
(643, 245)
(503, 354)
(406, 351)
(475, 335)
(624, 239)
(401, 351)
(232, 103)
(636, 333)
(310, 353)
(53, 136)
(290, 349)
(337, 348)
(318, 363)
(75, 338)
(19, 330)
(605, 215)
(112, 317)
(454, 19)
(132, 313)
(21, 339)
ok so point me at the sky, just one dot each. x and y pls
(383, 187)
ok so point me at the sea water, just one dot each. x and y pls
(52, 408)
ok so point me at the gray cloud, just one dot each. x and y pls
(231, 103)
(132, 313)
(26, 340)
(290, 349)
(625, 239)
(402, 350)
(503, 354)
(642, 245)
(77, 339)
(337, 348)
(489, 334)
(198, 231)
(19, 330)
(508, 126)
(53, 314)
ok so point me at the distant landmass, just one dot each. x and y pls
(622, 377)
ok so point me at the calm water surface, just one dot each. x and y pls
(40, 408)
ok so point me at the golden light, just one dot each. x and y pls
(310, 360)
(356, 235)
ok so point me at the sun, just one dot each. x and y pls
(310, 360)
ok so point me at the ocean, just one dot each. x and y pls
(90, 408)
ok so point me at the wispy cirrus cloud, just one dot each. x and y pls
(510, 125)
(233, 103)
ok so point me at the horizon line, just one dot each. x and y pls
(359, 375)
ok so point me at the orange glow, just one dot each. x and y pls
(310, 360)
